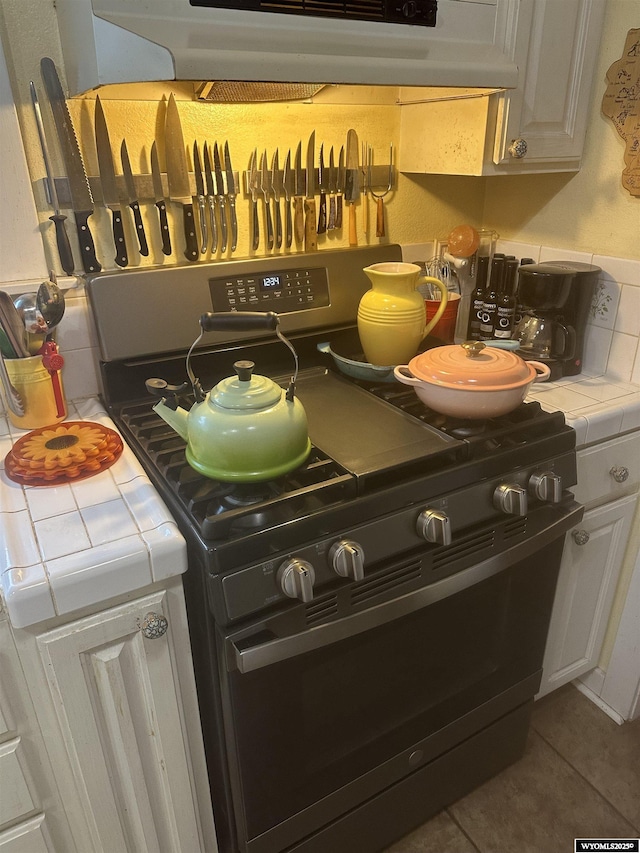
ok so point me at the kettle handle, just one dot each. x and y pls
(239, 321)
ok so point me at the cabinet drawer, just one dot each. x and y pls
(16, 799)
(28, 837)
(608, 470)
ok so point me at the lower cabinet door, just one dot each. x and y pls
(589, 572)
(115, 683)
(30, 836)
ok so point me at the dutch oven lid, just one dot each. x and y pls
(472, 366)
(245, 391)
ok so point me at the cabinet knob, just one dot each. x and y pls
(580, 537)
(153, 626)
(518, 148)
(619, 473)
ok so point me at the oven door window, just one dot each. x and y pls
(309, 725)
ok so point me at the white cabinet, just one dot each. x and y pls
(115, 698)
(537, 127)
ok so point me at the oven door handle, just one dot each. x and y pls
(273, 651)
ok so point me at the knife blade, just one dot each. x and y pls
(158, 194)
(58, 219)
(310, 230)
(132, 198)
(352, 184)
(178, 176)
(110, 192)
(299, 187)
(231, 196)
(220, 190)
(265, 186)
(254, 181)
(333, 183)
(340, 187)
(287, 184)
(212, 189)
(81, 198)
(322, 185)
(202, 202)
(276, 188)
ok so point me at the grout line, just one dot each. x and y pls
(454, 819)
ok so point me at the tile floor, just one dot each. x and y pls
(579, 777)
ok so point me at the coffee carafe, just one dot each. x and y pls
(555, 298)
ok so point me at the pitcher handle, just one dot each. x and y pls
(443, 302)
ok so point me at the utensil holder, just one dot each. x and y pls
(35, 385)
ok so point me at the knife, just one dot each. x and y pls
(333, 183)
(231, 196)
(340, 187)
(322, 184)
(265, 186)
(158, 194)
(110, 194)
(298, 193)
(287, 184)
(217, 165)
(132, 198)
(253, 189)
(310, 231)
(202, 202)
(58, 219)
(277, 188)
(81, 198)
(352, 184)
(178, 176)
(211, 185)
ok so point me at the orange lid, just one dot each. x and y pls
(472, 366)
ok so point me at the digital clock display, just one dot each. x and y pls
(271, 281)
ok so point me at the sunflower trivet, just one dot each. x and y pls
(62, 452)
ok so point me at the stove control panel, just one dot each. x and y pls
(282, 291)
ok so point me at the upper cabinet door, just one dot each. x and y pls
(544, 119)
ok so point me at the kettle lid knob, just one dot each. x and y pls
(244, 369)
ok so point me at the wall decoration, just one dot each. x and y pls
(621, 103)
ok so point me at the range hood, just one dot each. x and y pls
(125, 41)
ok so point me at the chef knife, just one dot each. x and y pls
(287, 183)
(231, 196)
(178, 176)
(110, 194)
(202, 202)
(299, 186)
(81, 198)
(254, 181)
(310, 229)
(352, 184)
(265, 186)
(158, 194)
(132, 198)
(333, 184)
(276, 188)
(340, 187)
(220, 190)
(323, 186)
(58, 219)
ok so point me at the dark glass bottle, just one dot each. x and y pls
(477, 298)
(489, 305)
(506, 302)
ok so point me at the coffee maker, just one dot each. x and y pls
(554, 299)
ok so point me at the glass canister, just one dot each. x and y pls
(40, 390)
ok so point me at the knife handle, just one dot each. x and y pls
(142, 237)
(267, 213)
(278, 222)
(255, 226)
(298, 218)
(87, 247)
(164, 227)
(339, 211)
(332, 213)
(234, 223)
(322, 215)
(223, 223)
(62, 241)
(288, 225)
(379, 218)
(310, 232)
(202, 208)
(191, 252)
(214, 223)
(118, 238)
(353, 228)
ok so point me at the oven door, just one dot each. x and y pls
(324, 720)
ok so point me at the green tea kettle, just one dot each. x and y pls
(247, 428)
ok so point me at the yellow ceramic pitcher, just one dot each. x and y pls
(392, 315)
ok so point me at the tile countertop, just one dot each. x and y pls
(74, 546)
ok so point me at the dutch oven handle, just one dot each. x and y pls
(239, 321)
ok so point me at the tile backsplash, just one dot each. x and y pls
(612, 343)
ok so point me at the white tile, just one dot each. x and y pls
(89, 410)
(602, 422)
(597, 343)
(12, 497)
(623, 270)
(80, 374)
(561, 397)
(622, 356)
(127, 467)
(95, 490)
(108, 522)
(628, 314)
(520, 250)
(168, 551)
(92, 577)
(144, 504)
(27, 595)
(18, 546)
(635, 373)
(4, 424)
(413, 252)
(604, 305)
(603, 389)
(48, 501)
(62, 535)
(579, 424)
(631, 415)
(548, 253)
(76, 332)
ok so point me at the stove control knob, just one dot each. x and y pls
(546, 486)
(434, 526)
(347, 559)
(296, 578)
(511, 499)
